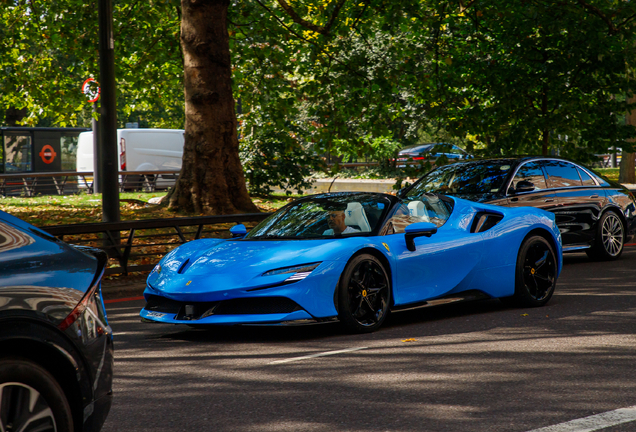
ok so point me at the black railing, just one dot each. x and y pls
(69, 182)
(138, 245)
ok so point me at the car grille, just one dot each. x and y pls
(197, 310)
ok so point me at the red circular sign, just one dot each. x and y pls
(91, 89)
(47, 154)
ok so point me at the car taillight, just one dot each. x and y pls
(122, 154)
(79, 309)
(419, 158)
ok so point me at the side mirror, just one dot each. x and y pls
(524, 186)
(419, 229)
(238, 231)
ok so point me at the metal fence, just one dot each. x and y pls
(31, 184)
(138, 245)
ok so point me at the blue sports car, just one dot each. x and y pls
(354, 257)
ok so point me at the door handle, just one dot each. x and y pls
(549, 200)
(594, 196)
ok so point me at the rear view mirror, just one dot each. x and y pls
(238, 230)
(419, 229)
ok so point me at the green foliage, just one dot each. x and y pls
(48, 49)
(276, 159)
(381, 149)
(355, 79)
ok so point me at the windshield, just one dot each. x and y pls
(321, 216)
(465, 178)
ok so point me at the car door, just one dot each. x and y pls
(541, 197)
(580, 201)
(439, 263)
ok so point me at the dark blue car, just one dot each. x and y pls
(56, 347)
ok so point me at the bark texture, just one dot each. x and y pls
(211, 179)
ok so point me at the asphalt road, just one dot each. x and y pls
(469, 367)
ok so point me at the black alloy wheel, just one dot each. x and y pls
(536, 273)
(610, 238)
(31, 399)
(364, 295)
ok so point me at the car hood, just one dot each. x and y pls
(212, 264)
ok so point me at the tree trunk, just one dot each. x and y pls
(211, 179)
(627, 173)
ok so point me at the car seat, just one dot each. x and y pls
(355, 216)
(418, 209)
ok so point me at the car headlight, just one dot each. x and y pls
(298, 272)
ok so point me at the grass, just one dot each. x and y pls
(610, 173)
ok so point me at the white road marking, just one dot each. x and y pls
(328, 353)
(595, 422)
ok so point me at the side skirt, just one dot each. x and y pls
(452, 298)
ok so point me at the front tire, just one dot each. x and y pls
(535, 274)
(610, 238)
(31, 399)
(364, 295)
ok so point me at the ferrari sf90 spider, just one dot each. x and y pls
(354, 257)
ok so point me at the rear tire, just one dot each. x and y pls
(535, 274)
(364, 295)
(610, 238)
(31, 398)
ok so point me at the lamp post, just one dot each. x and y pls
(108, 121)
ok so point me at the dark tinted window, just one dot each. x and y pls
(466, 178)
(562, 174)
(587, 180)
(532, 173)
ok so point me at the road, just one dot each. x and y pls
(470, 367)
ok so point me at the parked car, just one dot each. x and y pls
(431, 152)
(593, 214)
(354, 257)
(56, 347)
(139, 150)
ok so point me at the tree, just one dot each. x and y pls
(211, 179)
(48, 49)
(534, 76)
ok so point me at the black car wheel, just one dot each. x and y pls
(536, 273)
(31, 399)
(610, 238)
(364, 295)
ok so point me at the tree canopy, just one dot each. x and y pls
(357, 79)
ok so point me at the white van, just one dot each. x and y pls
(139, 150)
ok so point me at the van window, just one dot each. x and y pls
(17, 153)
